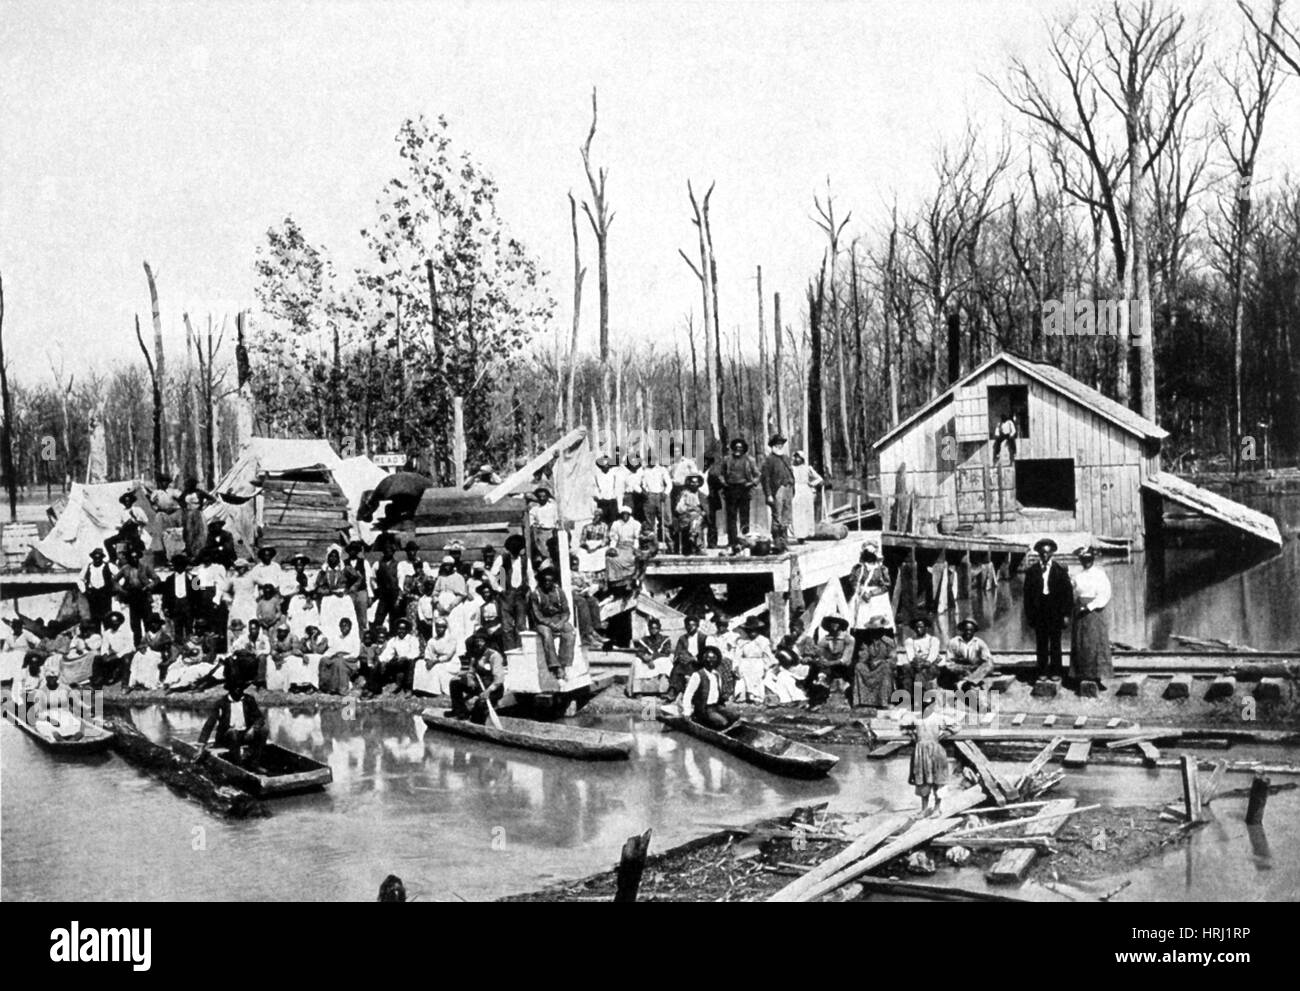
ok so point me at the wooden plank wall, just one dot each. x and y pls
(1109, 462)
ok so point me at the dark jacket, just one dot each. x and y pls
(1049, 610)
(776, 474)
(220, 717)
(170, 601)
(738, 470)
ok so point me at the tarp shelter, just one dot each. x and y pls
(91, 514)
(357, 476)
(290, 493)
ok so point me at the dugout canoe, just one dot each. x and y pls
(278, 772)
(764, 748)
(547, 738)
(94, 739)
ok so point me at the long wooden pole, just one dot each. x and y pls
(6, 435)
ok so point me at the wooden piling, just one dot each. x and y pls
(1191, 787)
(1258, 799)
(631, 865)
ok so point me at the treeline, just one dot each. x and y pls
(1125, 168)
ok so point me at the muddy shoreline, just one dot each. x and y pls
(752, 863)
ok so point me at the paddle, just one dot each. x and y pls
(492, 713)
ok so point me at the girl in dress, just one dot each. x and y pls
(802, 513)
(302, 609)
(929, 771)
(240, 595)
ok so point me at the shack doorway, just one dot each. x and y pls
(1045, 483)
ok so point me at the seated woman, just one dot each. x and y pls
(654, 654)
(753, 660)
(153, 657)
(114, 661)
(78, 661)
(968, 659)
(303, 666)
(590, 557)
(440, 664)
(873, 672)
(784, 682)
(286, 649)
(51, 713)
(341, 660)
(690, 511)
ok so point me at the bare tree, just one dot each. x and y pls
(601, 218)
(1283, 39)
(1253, 82)
(825, 219)
(579, 273)
(157, 374)
(6, 435)
(705, 273)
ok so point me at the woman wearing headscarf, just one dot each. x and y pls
(802, 512)
(440, 663)
(870, 581)
(334, 585)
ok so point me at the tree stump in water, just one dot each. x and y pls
(630, 867)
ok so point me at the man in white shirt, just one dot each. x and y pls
(921, 655)
(399, 656)
(116, 650)
(656, 486)
(544, 522)
(609, 489)
(630, 481)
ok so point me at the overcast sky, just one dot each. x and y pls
(179, 133)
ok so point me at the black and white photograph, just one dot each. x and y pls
(580, 452)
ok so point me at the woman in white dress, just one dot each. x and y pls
(440, 663)
(334, 589)
(802, 513)
(753, 660)
(240, 594)
(302, 611)
(870, 581)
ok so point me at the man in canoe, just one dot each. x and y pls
(238, 722)
(484, 679)
(703, 698)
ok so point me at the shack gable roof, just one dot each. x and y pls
(1052, 378)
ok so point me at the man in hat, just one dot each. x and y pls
(484, 679)
(1049, 596)
(267, 571)
(704, 698)
(1090, 642)
(96, 584)
(136, 580)
(969, 659)
(686, 656)
(544, 522)
(550, 615)
(116, 650)
(483, 480)
(129, 533)
(238, 722)
(220, 544)
(921, 656)
(388, 586)
(361, 581)
(180, 597)
(512, 579)
(250, 649)
(739, 476)
(608, 490)
(832, 664)
(778, 487)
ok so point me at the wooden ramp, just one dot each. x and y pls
(1217, 507)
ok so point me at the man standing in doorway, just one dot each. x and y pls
(1049, 596)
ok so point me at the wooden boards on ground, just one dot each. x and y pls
(1012, 865)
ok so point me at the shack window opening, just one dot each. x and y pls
(1013, 399)
(1046, 483)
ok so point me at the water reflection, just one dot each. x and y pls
(1186, 592)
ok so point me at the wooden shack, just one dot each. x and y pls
(1083, 464)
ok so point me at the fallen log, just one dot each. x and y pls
(180, 775)
(877, 832)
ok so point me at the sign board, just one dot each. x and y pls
(389, 460)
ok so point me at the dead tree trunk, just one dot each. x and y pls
(705, 273)
(157, 406)
(777, 365)
(816, 441)
(765, 429)
(158, 373)
(6, 434)
(579, 273)
(601, 219)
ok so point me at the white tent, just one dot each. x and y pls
(357, 476)
(92, 514)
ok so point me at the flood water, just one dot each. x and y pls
(474, 821)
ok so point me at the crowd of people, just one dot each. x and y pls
(362, 621)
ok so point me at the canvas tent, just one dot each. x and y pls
(298, 495)
(91, 514)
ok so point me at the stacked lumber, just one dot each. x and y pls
(303, 517)
(447, 515)
(16, 540)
